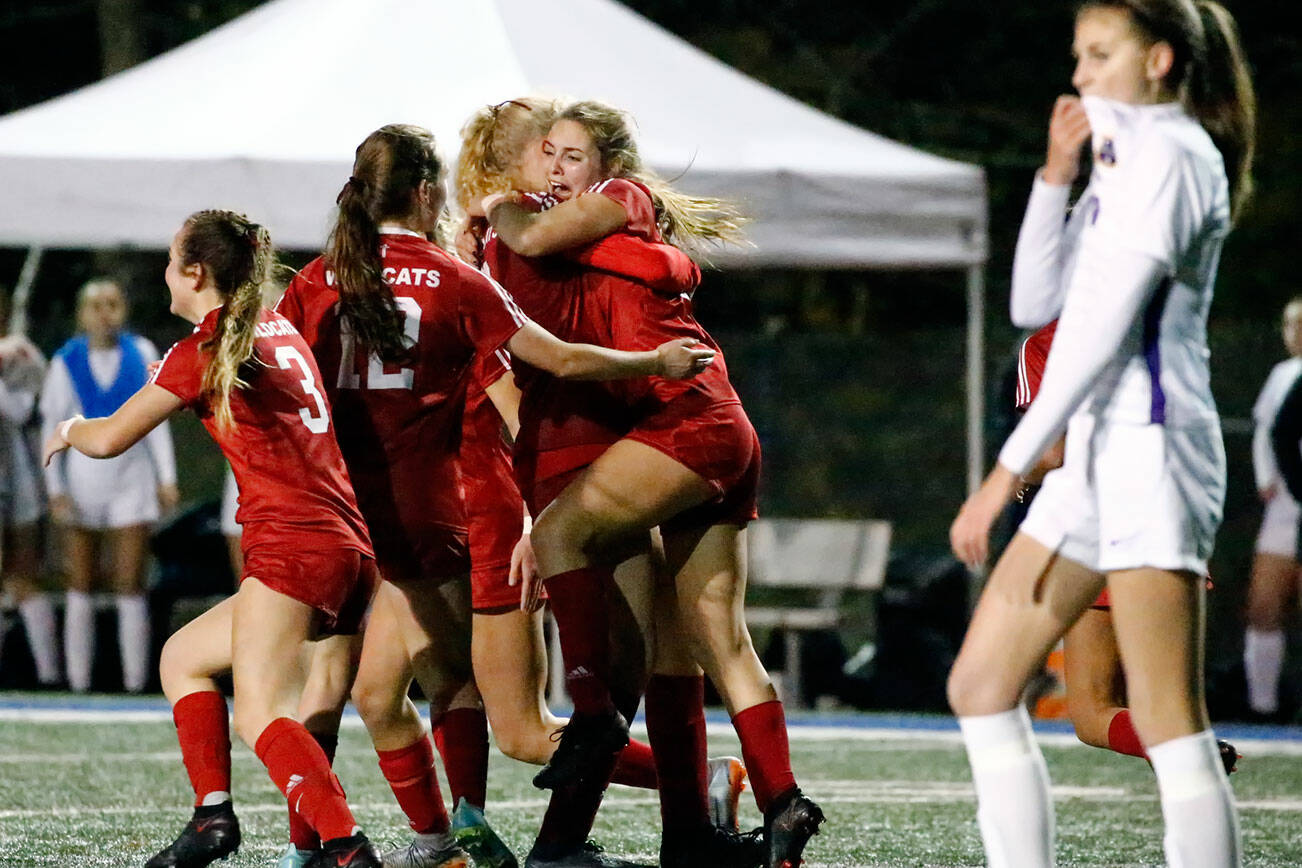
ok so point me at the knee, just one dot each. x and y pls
(559, 530)
(971, 692)
(1090, 716)
(1264, 612)
(249, 723)
(528, 745)
(377, 703)
(173, 664)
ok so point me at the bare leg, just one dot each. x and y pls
(1160, 619)
(198, 652)
(1031, 599)
(510, 666)
(1095, 686)
(1270, 597)
(710, 576)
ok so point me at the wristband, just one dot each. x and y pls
(66, 425)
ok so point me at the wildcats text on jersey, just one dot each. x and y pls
(429, 277)
(274, 328)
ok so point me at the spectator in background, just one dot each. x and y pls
(106, 507)
(22, 498)
(1273, 586)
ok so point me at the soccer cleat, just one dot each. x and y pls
(355, 851)
(476, 837)
(710, 845)
(213, 833)
(294, 857)
(1229, 756)
(585, 742)
(430, 850)
(727, 780)
(789, 823)
(585, 855)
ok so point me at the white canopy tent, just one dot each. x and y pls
(262, 115)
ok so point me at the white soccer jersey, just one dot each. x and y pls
(1277, 384)
(1142, 247)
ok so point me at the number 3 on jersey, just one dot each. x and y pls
(376, 378)
(319, 423)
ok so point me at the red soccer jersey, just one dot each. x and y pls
(294, 490)
(567, 424)
(643, 319)
(400, 425)
(1030, 364)
(485, 455)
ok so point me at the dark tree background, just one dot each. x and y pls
(853, 378)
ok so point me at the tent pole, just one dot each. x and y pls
(23, 290)
(976, 380)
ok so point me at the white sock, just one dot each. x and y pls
(1263, 660)
(38, 620)
(79, 639)
(133, 640)
(1202, 826)
(1014, 808)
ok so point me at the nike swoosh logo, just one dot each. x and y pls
(343, 859)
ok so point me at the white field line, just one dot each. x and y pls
(623, 798)
(800, 732)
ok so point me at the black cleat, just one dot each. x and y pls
(585, 743)
(585, 855)
(789, 823)
(355, 851)
(1229, 756)
(213, 833)
(712, 846)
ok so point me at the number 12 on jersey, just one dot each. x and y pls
(376, 378)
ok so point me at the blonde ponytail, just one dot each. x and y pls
(238, 254)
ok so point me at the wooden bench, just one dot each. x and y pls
(825, 557)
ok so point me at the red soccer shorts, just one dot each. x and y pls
(337, 582)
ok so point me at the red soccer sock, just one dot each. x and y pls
(1122, 737)
(675, 721)
(415, 783)
(763, 732)
(300, 769)
(636, 766)
(301, 833)
(462, 739)
(579, 605)
(203, 729)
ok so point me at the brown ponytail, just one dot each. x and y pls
(1209, 72)
(1223, 99)
(389, 167)
(237, 253)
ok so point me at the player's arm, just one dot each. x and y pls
(578, 221)
(505, 395)
(673, 360)
(1038, 280)
(1286, 439)
(110, 436)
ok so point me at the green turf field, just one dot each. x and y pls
(112, 792)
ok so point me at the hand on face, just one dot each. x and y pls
(1069, 129)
